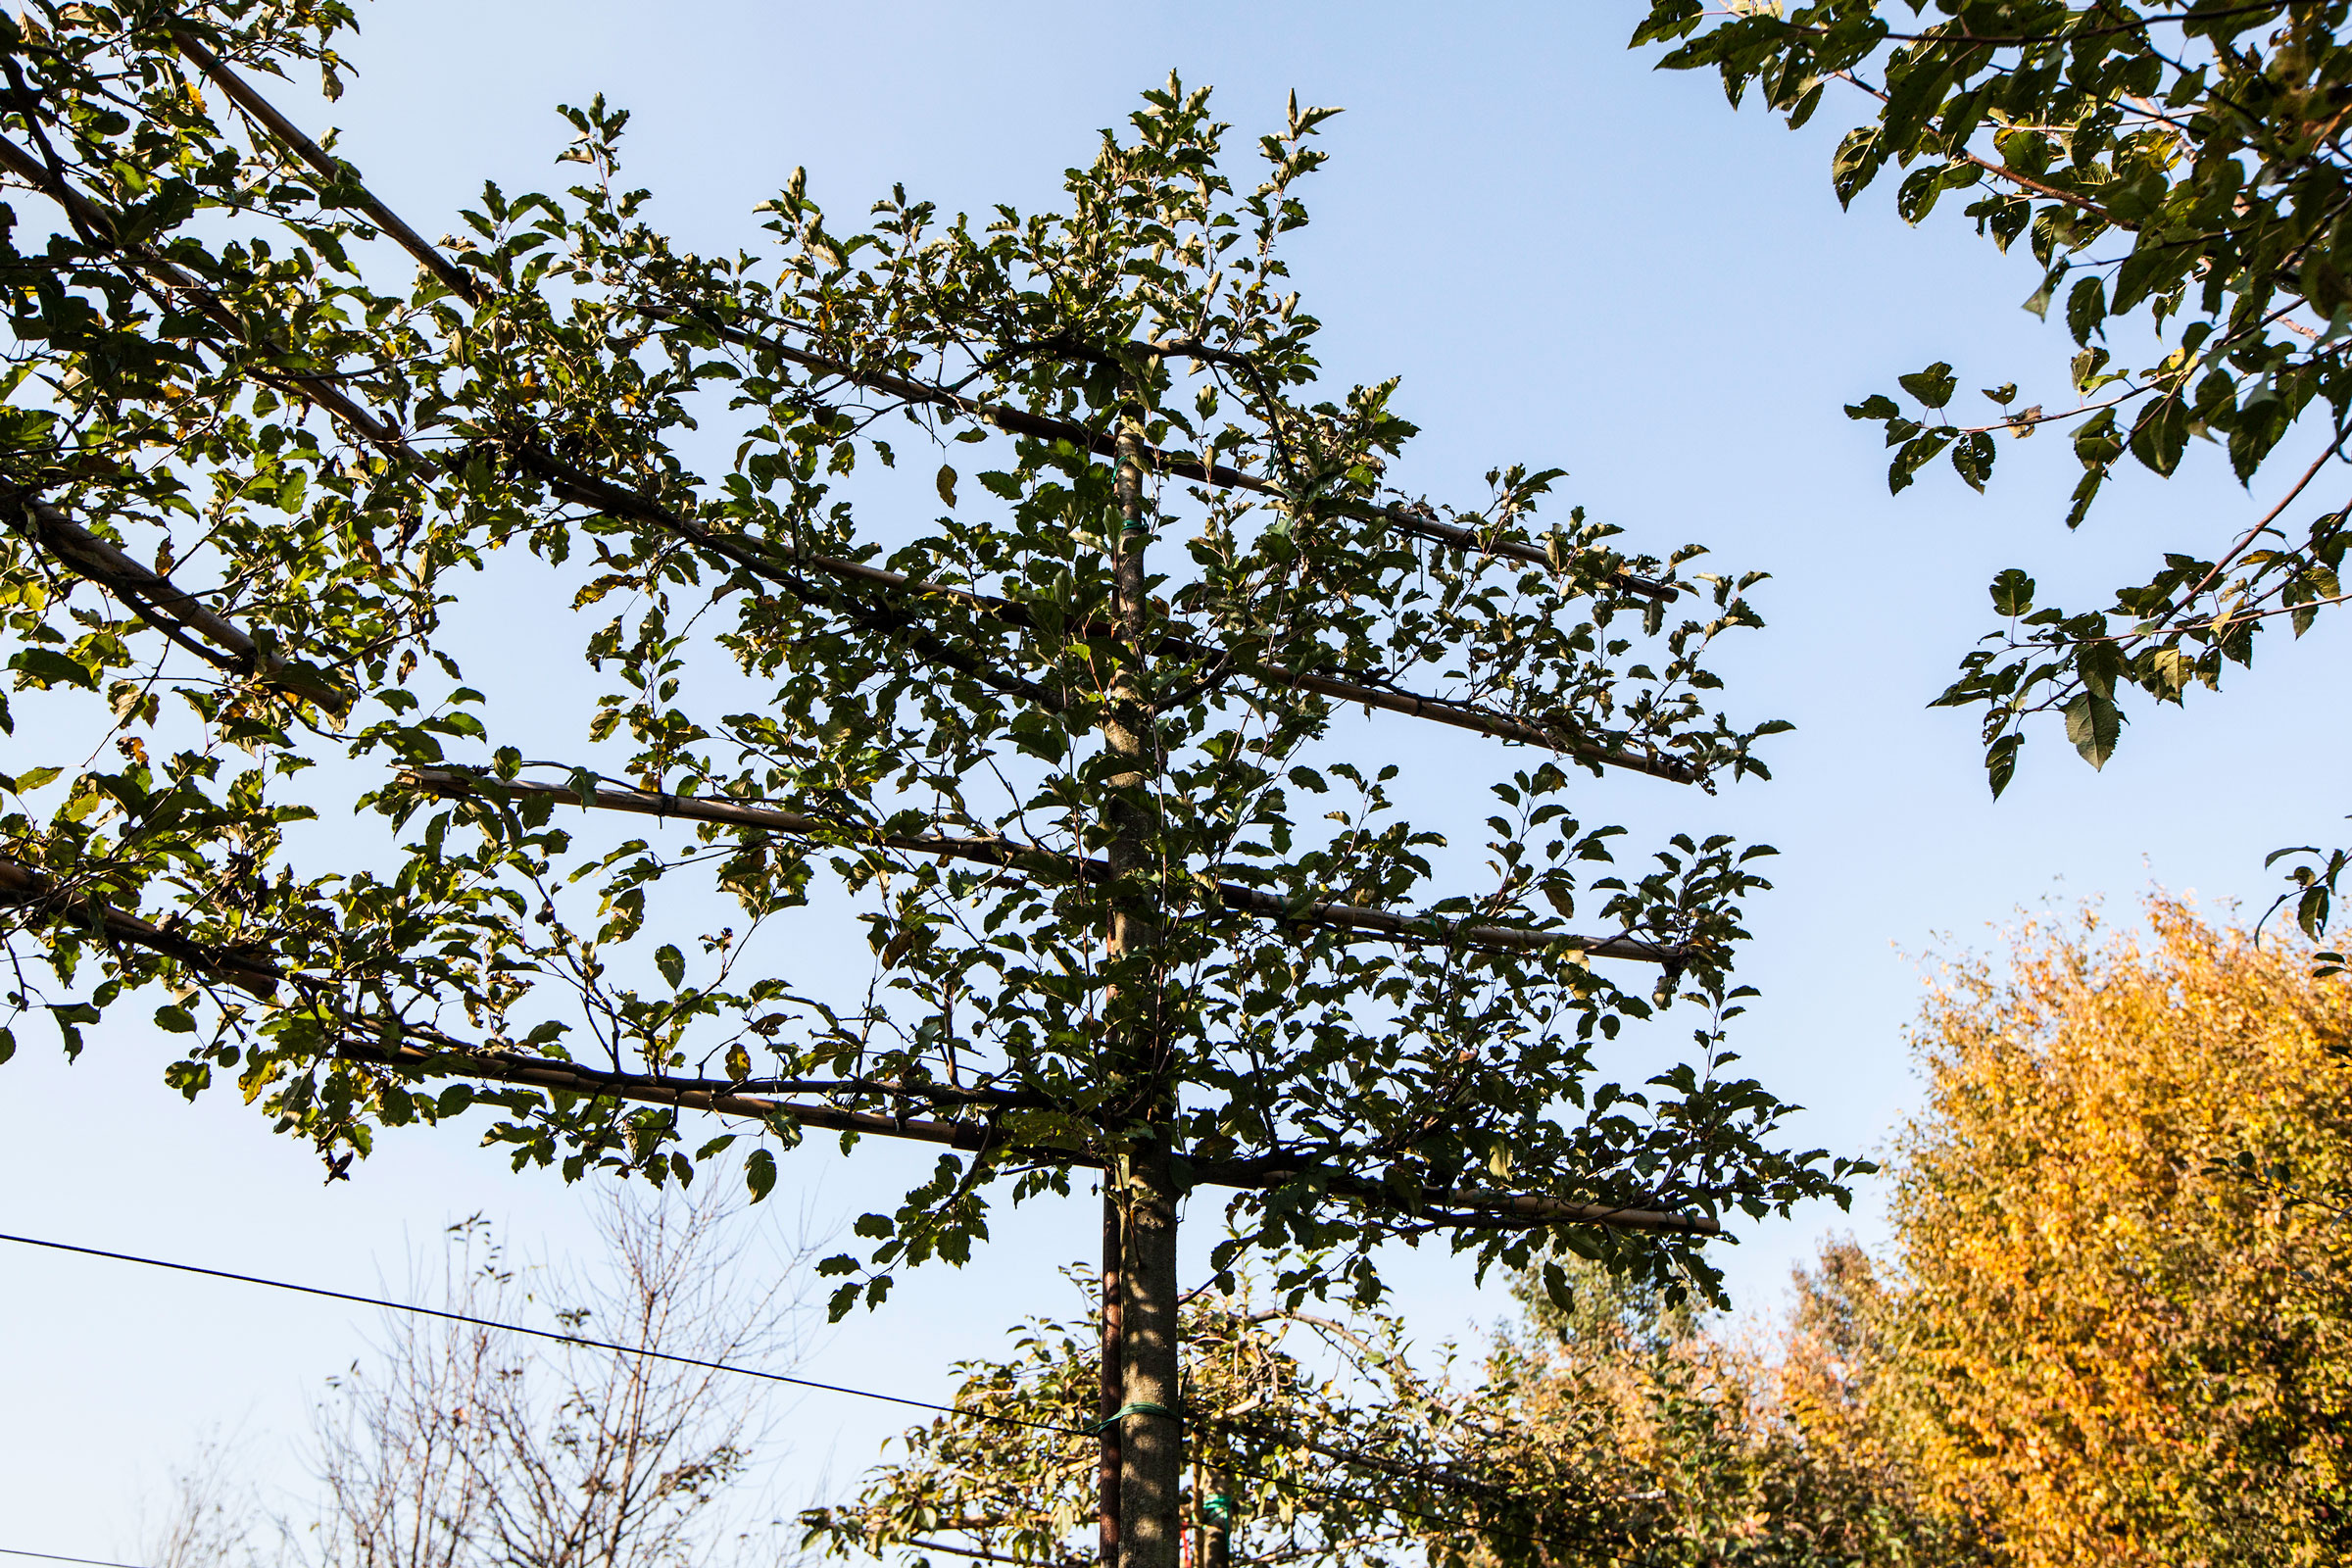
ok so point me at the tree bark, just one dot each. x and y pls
(1113, 1380)
(1152, 1435)
(1151, 1457)
(1217, 1522)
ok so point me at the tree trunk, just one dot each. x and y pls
(1113, 1378)
(1149, 1526)
(1152, 1457)
(1216, 1523)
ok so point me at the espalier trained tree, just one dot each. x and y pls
(1066, 747)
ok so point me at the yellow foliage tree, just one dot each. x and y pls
(2123, 1320)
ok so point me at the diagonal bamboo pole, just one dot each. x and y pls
(1465, 1207)
(28, 888)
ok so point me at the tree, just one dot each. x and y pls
(1130, 909)
(2181, 171)
(1619, 1430)
(2122, 1333)
(2112, 1326)
(461, 1446)
(457, 1445)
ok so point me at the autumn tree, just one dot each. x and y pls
(1069, 746)
(2180, 177)
(2124, 1327)
(2111, 1326)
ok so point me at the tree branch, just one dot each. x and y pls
(1012, 855)
(1462, 1207)
(26, 888)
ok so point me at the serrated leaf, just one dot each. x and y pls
(2094, 725)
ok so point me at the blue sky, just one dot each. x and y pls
(1570, 259)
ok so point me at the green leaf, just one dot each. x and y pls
(2094, 725)
(2000, 762)
(2099, 663)
(2038, 301)
(2161, 435)
(1916, 453)
(2085, 308)
(1971, 458)
(2095, 442)
(760, 1173)
(2012, 593)
(2085, 493)
(671, 964)
(1555, 1286)
(1933, 387)
(946, 482)
(2167, 675)
(1856, 163)
(46, 666)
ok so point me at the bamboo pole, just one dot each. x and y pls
(1465, 1207)
(1010, 855)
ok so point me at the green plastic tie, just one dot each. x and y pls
(1218, 1507)
(1126, 1411)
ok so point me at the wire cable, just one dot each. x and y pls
(1292, 1483)
(54, 1556)
(556, 1335)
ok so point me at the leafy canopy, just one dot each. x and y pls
(2123, 1332)
(2180, 179)
(259, 496)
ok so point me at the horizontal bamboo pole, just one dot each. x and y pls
(1470, 1206)
(25, 887)
(1012, 855)
(1460, 716)
(1019, 421)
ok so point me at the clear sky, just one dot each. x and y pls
(1571, 259)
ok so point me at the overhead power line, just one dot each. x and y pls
(558, 1335)
(1241, 1472)
(57, 1556)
